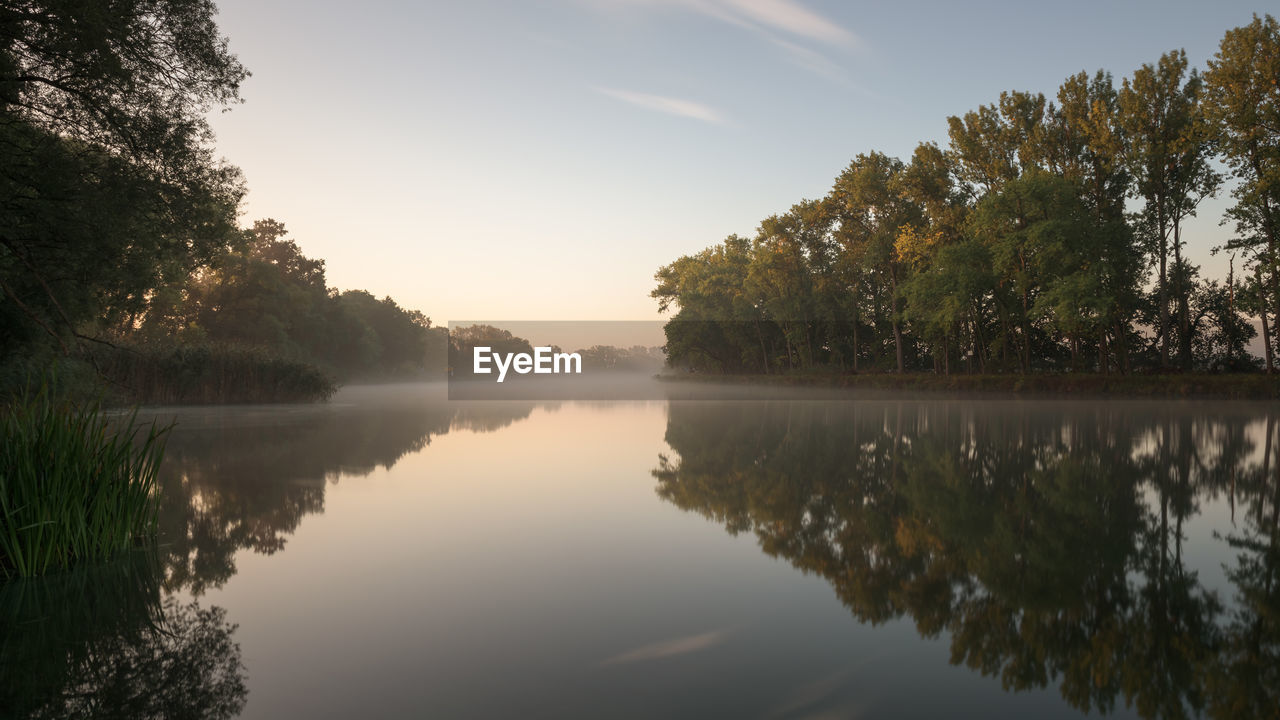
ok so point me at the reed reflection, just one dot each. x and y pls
(104, 642)
(1046, 542)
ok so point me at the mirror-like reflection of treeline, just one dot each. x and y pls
(243, 478)
(1046, 541)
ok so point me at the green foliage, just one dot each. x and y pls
(74, 486)
(1169, 157)
(394, 341)
(266, 296)
(110, 185)
(1242, 107)
(118, 222)
(464, 340)
(1011, 249)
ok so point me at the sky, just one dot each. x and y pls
(541, 159)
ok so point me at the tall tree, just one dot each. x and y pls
(929, 181)
(1169, 157)
(997, 143)
(717, 322)
(1084, 143)
(870, 213)
(790, 259)
(1242, 104)
(110, 185)
(1037, 232)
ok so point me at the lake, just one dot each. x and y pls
(396, 554)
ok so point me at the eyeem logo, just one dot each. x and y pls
(542, 362)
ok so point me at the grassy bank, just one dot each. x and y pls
(73, 486)
(1240, 387)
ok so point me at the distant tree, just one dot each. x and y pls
(464, 340)
(401, 335)
(636, 358)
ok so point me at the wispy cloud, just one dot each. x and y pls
(663, 104)
(790, 17)
(786, 24)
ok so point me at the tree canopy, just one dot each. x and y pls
(110, 185)
(118, 223)
(1013, 248)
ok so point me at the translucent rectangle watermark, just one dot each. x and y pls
(555, 359)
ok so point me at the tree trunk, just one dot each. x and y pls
(1004, 346)
(1266, 341)
(1026, 333)
(1266, 327)
(1184, 309)
(1164, 285)
(1122, 349)
(897, 344)
(855, 343)
(764, 353)
(897, 328)
(1275, 295)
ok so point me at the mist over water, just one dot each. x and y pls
(394, 553)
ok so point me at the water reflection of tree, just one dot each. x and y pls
(1246, 680)
(1046, 544)
(245, 479)
(99, 643)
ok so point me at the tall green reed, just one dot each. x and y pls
(75, 485)
(208, 374)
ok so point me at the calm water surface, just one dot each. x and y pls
(394, 554)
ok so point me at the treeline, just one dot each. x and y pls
(264, 293)
(119, 242)
(1046, 236)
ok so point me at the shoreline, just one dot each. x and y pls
(1251, 386)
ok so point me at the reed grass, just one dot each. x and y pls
(75, 485)
(208, 374)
